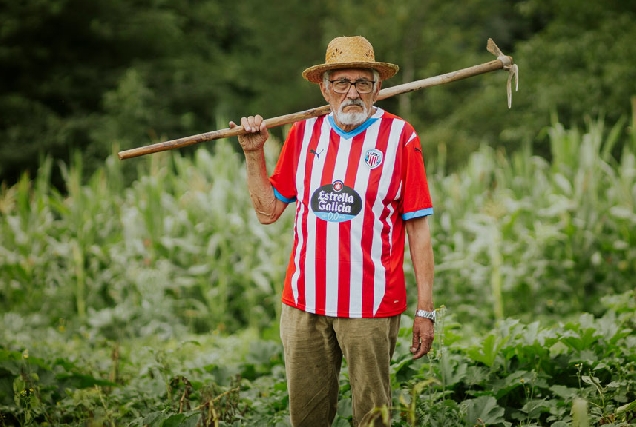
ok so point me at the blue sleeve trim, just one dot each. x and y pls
(283, 198)
(417, 214)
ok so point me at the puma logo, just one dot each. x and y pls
(316, 153)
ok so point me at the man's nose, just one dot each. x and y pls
(353, 92)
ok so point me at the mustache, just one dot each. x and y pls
(352, 102)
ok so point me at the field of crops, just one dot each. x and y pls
(155, 302)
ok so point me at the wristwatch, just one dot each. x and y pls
(426, 314)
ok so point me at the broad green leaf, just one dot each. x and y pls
(564, 392)
(557, 349)
(174, 420)
(154, 419)
(626, 408)
(484, 410)
(488, 351)
(534, 408)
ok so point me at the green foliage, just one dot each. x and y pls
(158, 257)
(531, 238)
(85, 75)
(120, 295)
(104, 283)
(181, 249)
(99, 76)
(529, 374)
(206, 379)
(29, 385)
(537, 375)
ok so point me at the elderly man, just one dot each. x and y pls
(358, 180)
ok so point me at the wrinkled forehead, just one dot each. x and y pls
(352, 74)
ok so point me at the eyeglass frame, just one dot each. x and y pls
(354, 84)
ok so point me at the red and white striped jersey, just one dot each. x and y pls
(353, 192)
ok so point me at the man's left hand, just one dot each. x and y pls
(423, 335)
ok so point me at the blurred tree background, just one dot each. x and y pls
(99, 76)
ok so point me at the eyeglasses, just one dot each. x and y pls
(343, 85)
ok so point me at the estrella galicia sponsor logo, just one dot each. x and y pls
(336, 202)
(373, 158)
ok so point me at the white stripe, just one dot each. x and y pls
(411, 138)
(379, 288)
(300, 207)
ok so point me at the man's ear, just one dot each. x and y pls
(325, 92)
(378, 87)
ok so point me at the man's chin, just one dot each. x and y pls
(352, 119)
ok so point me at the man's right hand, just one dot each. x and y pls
(257, 133)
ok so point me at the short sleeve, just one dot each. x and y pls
(284, 177)
(416, 198)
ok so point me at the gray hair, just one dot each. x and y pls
(327, 74)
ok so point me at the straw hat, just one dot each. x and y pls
(350, 52)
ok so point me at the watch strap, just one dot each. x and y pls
(426, 314)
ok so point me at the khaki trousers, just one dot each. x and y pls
(314, 346)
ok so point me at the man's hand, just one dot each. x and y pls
(423, 335)
(254, 140)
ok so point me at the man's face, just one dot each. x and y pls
(352, 108)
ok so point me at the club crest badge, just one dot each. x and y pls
(373, 158)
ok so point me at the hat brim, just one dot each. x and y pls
(385, 69)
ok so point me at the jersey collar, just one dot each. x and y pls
(358, 130)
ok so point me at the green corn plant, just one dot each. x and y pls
(181, 245)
